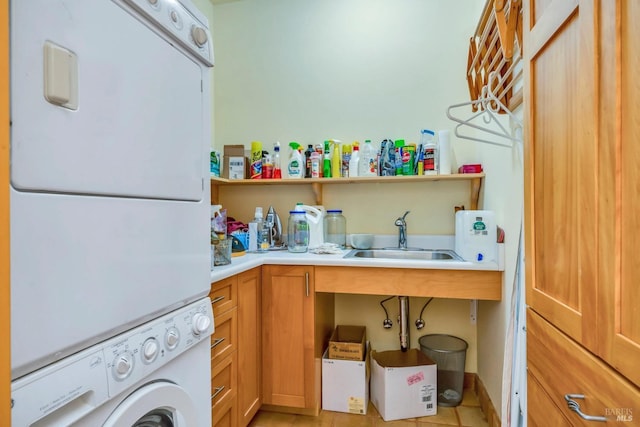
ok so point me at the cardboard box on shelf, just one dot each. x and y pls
(403, 384)
(347, 343)
(345, 384)
(235, 162)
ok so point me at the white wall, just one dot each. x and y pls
(306, 71)
(367, 69)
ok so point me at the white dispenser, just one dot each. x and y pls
(315, 218)
(476, 236)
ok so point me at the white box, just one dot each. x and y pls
(403, 384)
(345, 384)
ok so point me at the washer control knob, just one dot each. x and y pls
(172, 338)
(150, 350)
(174, 16)
(122, 365)
(200, 323)
(153, 2)
(199, 36)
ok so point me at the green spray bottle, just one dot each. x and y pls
(326, 161)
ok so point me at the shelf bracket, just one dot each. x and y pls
(317, 190)
(475, 192)
(215, 193)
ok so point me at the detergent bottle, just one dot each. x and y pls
(296, 165)
(315, 219)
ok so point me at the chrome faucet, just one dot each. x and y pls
(402, 231)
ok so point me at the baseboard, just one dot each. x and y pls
(471, 380)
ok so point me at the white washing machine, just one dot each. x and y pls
(156, 375)
(110, 141)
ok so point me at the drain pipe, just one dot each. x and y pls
(403, 321)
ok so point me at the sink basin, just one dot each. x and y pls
(413, 254)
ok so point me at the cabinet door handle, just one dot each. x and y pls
(216, 342)
(217, 392)
(306, 282)
(217, 299)
(575, 407)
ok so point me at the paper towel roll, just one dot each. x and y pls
(444, 146)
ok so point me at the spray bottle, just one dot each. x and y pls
(336, 162)
(326, 161)
(296, 164)
(277, 169)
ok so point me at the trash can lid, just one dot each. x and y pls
(443, 343)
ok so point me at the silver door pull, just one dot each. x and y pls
(216, 342)
(217, 392)
(575, 407)
(306, 282)
(217, 299)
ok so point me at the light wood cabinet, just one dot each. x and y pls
(236, 352)
(297, 324)
(249, 345)
(582, 174)
(224, 354)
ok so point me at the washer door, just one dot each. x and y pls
(159, 404)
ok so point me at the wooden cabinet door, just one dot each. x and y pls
(619, 184)
(249, 345)
(561, 166)
(288, 370)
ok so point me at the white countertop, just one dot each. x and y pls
(284, 257)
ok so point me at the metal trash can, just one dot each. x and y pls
(449, 353)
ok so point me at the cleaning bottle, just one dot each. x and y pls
(295, 168)
(326, 161)
(346, 158)
(256, 228)
(336, 163)
(368, 165)
(307, 155)
(399, 144)
(430, 152)
(256, 160)
(354, 162)
(277, 169)
(316, 165)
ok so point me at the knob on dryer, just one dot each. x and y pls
(199, 36)
(200, 323)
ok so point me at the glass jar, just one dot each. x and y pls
(297, 232)
(335, 228)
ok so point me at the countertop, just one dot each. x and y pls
(284, 257)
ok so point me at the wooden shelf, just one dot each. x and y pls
(475, 180)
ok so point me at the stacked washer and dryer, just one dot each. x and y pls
(110, 135)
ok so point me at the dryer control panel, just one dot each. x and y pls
(59, 392)
(179, 23)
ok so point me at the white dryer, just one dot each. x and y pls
(155, 375)
(110, 140)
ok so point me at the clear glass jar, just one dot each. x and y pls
(297, 232)
(335, 228)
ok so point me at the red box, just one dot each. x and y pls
(475, 168)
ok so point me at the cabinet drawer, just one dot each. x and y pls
(224, 378)
(224, 415)
(546, 412)
(224, 339)
(224, 295)
(561, 367)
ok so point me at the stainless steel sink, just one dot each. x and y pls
(412, 254)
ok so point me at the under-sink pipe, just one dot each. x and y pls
(403, 321)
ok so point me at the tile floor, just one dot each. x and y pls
(468, 414)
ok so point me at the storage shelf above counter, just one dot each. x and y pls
(317, 184)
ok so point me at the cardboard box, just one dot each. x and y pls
(347, 343)
(236, 164)
(403, 385)
(345, 384)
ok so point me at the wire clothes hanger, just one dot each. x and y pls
(488, 106)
